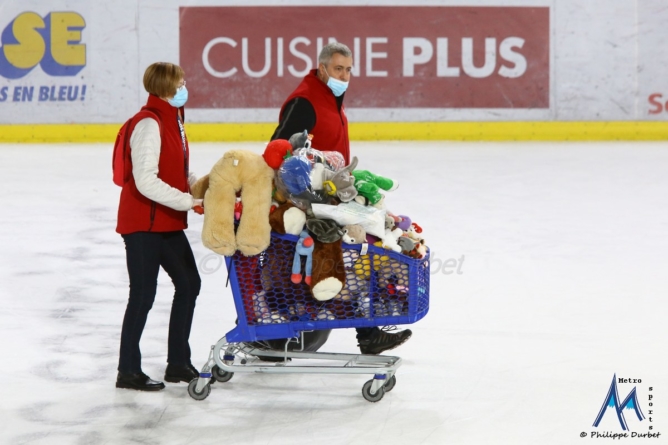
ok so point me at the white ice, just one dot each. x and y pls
(563, 284)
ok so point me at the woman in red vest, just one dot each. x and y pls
(152, 216)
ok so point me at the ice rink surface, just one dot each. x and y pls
(563, 254)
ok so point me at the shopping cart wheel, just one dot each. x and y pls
(389, 385)
(220, 375)
(192, 390)
(366, 392)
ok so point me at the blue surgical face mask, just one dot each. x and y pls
(180, 98)
(337, 86)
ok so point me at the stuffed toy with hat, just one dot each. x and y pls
(237, 171)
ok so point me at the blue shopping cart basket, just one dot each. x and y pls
(381, 288)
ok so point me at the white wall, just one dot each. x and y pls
(607, 57)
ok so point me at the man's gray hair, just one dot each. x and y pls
(333, 48)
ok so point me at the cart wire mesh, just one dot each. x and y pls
(381, 288)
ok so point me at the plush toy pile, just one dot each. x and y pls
(327, 204)
(338, 204)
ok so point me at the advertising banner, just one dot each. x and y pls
(75, 61)
(67, 62)
(403, 57)
(52, 45)
(653, 60)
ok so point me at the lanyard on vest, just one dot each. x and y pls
(185, 149)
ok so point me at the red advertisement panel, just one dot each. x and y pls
(418, 57)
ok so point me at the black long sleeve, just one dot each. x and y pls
(299, 115)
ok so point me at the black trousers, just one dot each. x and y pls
(145, 253)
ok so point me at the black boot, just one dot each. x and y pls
(138, 381)
(180, 373)
(380, 340)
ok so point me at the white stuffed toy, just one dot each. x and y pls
(390, 239)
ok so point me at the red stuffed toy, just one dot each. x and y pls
(276, 152)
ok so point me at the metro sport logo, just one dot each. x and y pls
(612, 402)
(52, 41)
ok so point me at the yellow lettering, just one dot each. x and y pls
(30, 47)
(65, 32)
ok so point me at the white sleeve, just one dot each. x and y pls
(145, 153)
(192, 178)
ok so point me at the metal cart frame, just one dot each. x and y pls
(239, 350)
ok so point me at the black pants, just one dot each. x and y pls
(145, 253)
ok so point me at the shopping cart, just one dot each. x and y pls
(382, 288)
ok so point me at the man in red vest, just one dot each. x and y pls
(316, 105)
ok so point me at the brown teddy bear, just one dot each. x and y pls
(238, 170)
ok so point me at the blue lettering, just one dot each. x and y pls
(22, 94)
(53, 93)
(72, 93)
(26, 95)
(43, 93)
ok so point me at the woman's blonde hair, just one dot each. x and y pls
(162, 79)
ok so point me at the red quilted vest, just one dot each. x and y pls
(137, 213)
(331, 126)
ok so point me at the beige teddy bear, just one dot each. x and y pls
(238, 170)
